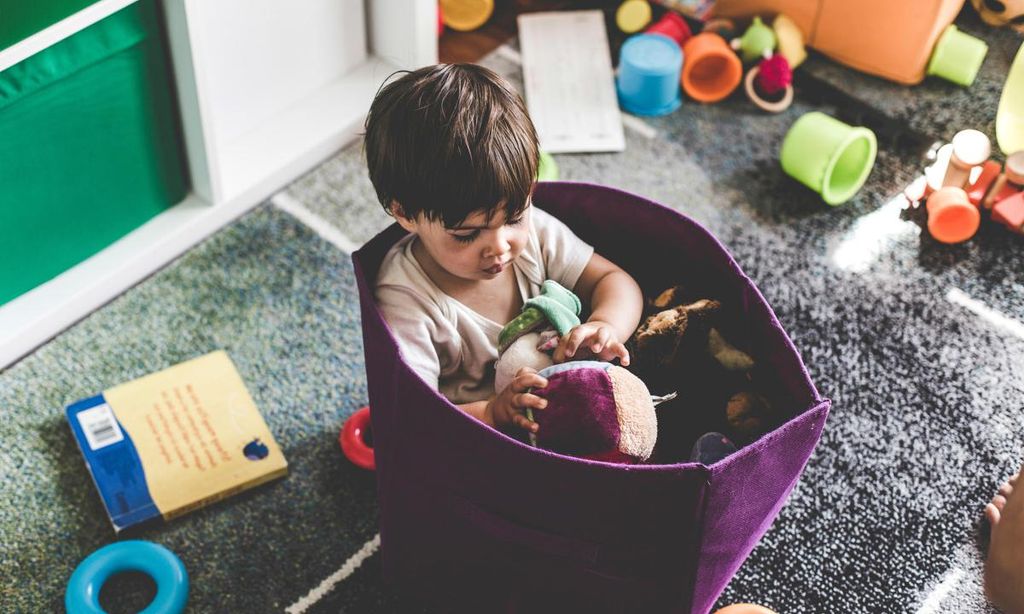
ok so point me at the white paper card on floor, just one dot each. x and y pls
(570, 87)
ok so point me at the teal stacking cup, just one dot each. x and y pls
(828, 156)
(648, 79)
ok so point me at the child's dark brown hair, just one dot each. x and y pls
(449, 140)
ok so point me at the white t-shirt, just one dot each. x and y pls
(450, 346)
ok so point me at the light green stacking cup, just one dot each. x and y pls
(828, 156)
(957, 56)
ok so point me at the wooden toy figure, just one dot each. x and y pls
(1008, 183)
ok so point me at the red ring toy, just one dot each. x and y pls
(353, 440)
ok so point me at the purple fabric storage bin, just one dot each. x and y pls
(474, 520)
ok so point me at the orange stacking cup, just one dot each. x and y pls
(951, 216)
(711, 69)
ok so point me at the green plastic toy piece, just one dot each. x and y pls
(828, 156)
(547, 170)
(555, 305)
(758, 39)
(957, 56)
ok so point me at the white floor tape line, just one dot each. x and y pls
(935, 598)
(996, 318)
(329, 583)
(639, 126)
(319, 225)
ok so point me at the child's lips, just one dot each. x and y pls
(498, 268)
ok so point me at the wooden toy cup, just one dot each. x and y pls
(711, 70)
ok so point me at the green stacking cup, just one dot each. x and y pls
(828, 156)
(957, 56)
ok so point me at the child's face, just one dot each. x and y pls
(478, 249)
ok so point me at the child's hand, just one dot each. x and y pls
(507, 408)
(594, 339)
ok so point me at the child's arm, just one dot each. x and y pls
(616, 304)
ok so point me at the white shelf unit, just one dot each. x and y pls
(267, 89)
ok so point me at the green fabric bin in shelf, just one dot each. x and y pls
(20, 19)
(89, 146)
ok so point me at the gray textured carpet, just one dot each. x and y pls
(929, 395)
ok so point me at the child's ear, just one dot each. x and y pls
(403, 220)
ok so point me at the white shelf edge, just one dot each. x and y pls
(59, 31)
(310, 129)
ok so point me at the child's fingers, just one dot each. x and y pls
(1006, 489)
(525, 423)
(999, 501)
(992, 513)
(525, 381)
(619, 350)
(574, 339)
(599, 340)
(525, 400)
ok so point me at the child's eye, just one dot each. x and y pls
(517, 221)
(467, 238)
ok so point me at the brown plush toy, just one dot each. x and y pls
(679, 349)
(1001, 12)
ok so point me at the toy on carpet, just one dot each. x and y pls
(789, 40)
(163, 566)
(769, 84)
(679, 349)
(961, 183)
(673, 26)
(1001, 12)
(757, 42)
(832, 158)
(694, 9)
(711, 70)
(898, 41)
(633, 15)
(647, 82)
(356, 440)
(547, 169)
(999, 183)
(466, 15)
(595, 410)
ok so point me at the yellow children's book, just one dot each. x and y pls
(174, 441)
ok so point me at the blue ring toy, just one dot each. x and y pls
(159, 563)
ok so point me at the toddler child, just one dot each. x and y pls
(453, 156)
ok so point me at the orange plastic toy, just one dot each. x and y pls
(711, 69)
(889, 39)
(951, 216)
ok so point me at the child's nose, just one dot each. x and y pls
(499, 243)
